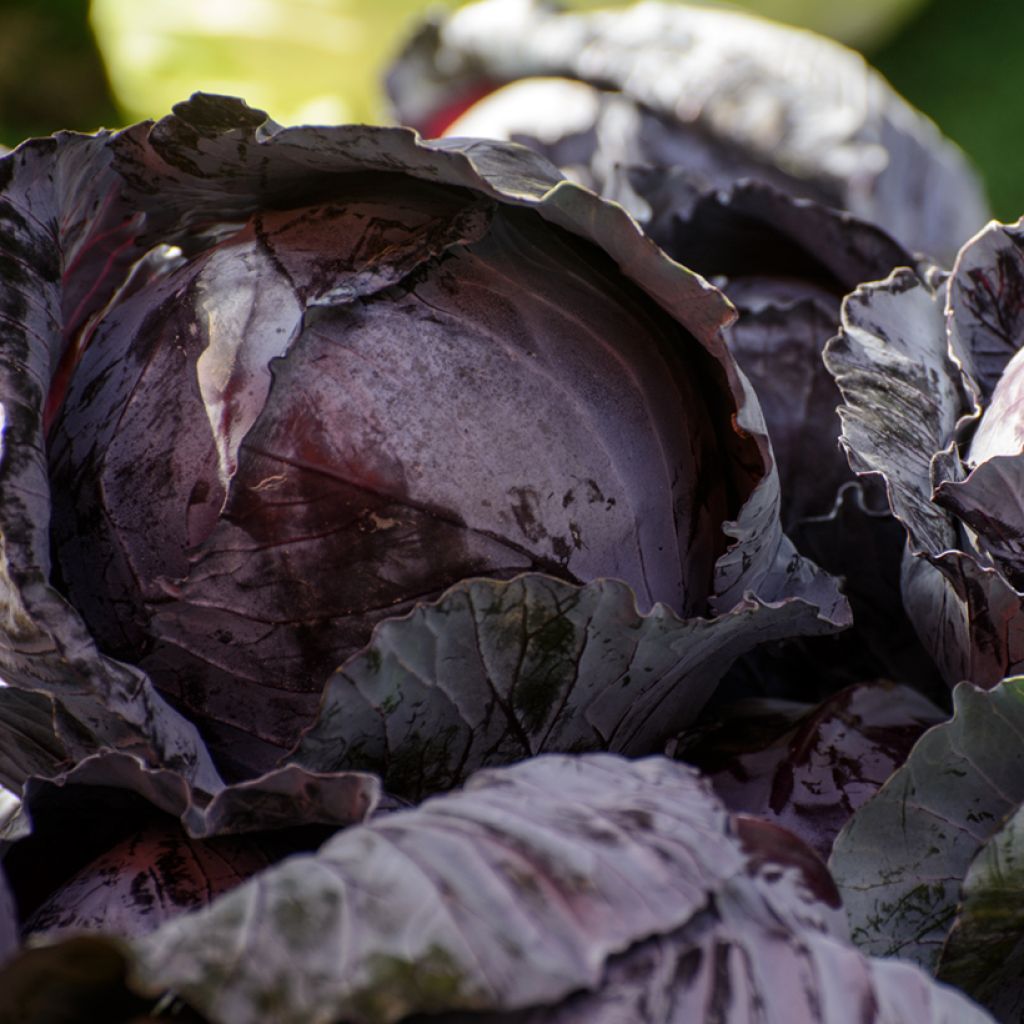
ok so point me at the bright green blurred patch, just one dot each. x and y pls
(301, 60)
(322, 60)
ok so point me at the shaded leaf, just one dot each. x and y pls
(863, 544)
(9, 937)
(901, 860)
(806, 767)
(982, 954)
(495, 672)
(152, 876)
(78, 981)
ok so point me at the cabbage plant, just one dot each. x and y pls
(364, 499)
(927, 362)
(723, 94)
(291, 385)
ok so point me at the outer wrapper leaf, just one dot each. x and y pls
(512, 893)
(495, 672)
(917, 362)
(691, 86)
(901, 861)
(287, 796)
(216, 161)
(982, 954)
(732, 964)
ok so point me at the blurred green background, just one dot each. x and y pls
(319, 60)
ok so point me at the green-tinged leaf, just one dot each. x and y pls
(498, 671)
(512, 893)
(983, 954)
(901, 860)
(78, 981)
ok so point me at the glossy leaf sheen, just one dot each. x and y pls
(986, 299)
(906, 368)
(495, 672)
(901, 860)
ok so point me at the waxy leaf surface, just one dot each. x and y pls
(900, 862)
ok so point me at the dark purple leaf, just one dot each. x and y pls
(9, 939)
(808, 767)
(152, 876)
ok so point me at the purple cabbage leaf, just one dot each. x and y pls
(982, 953)
(494, 673)
(724, 94)
(133, 865)
(927, 368)
(561, 889)
(920, 863)
(808, 767)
